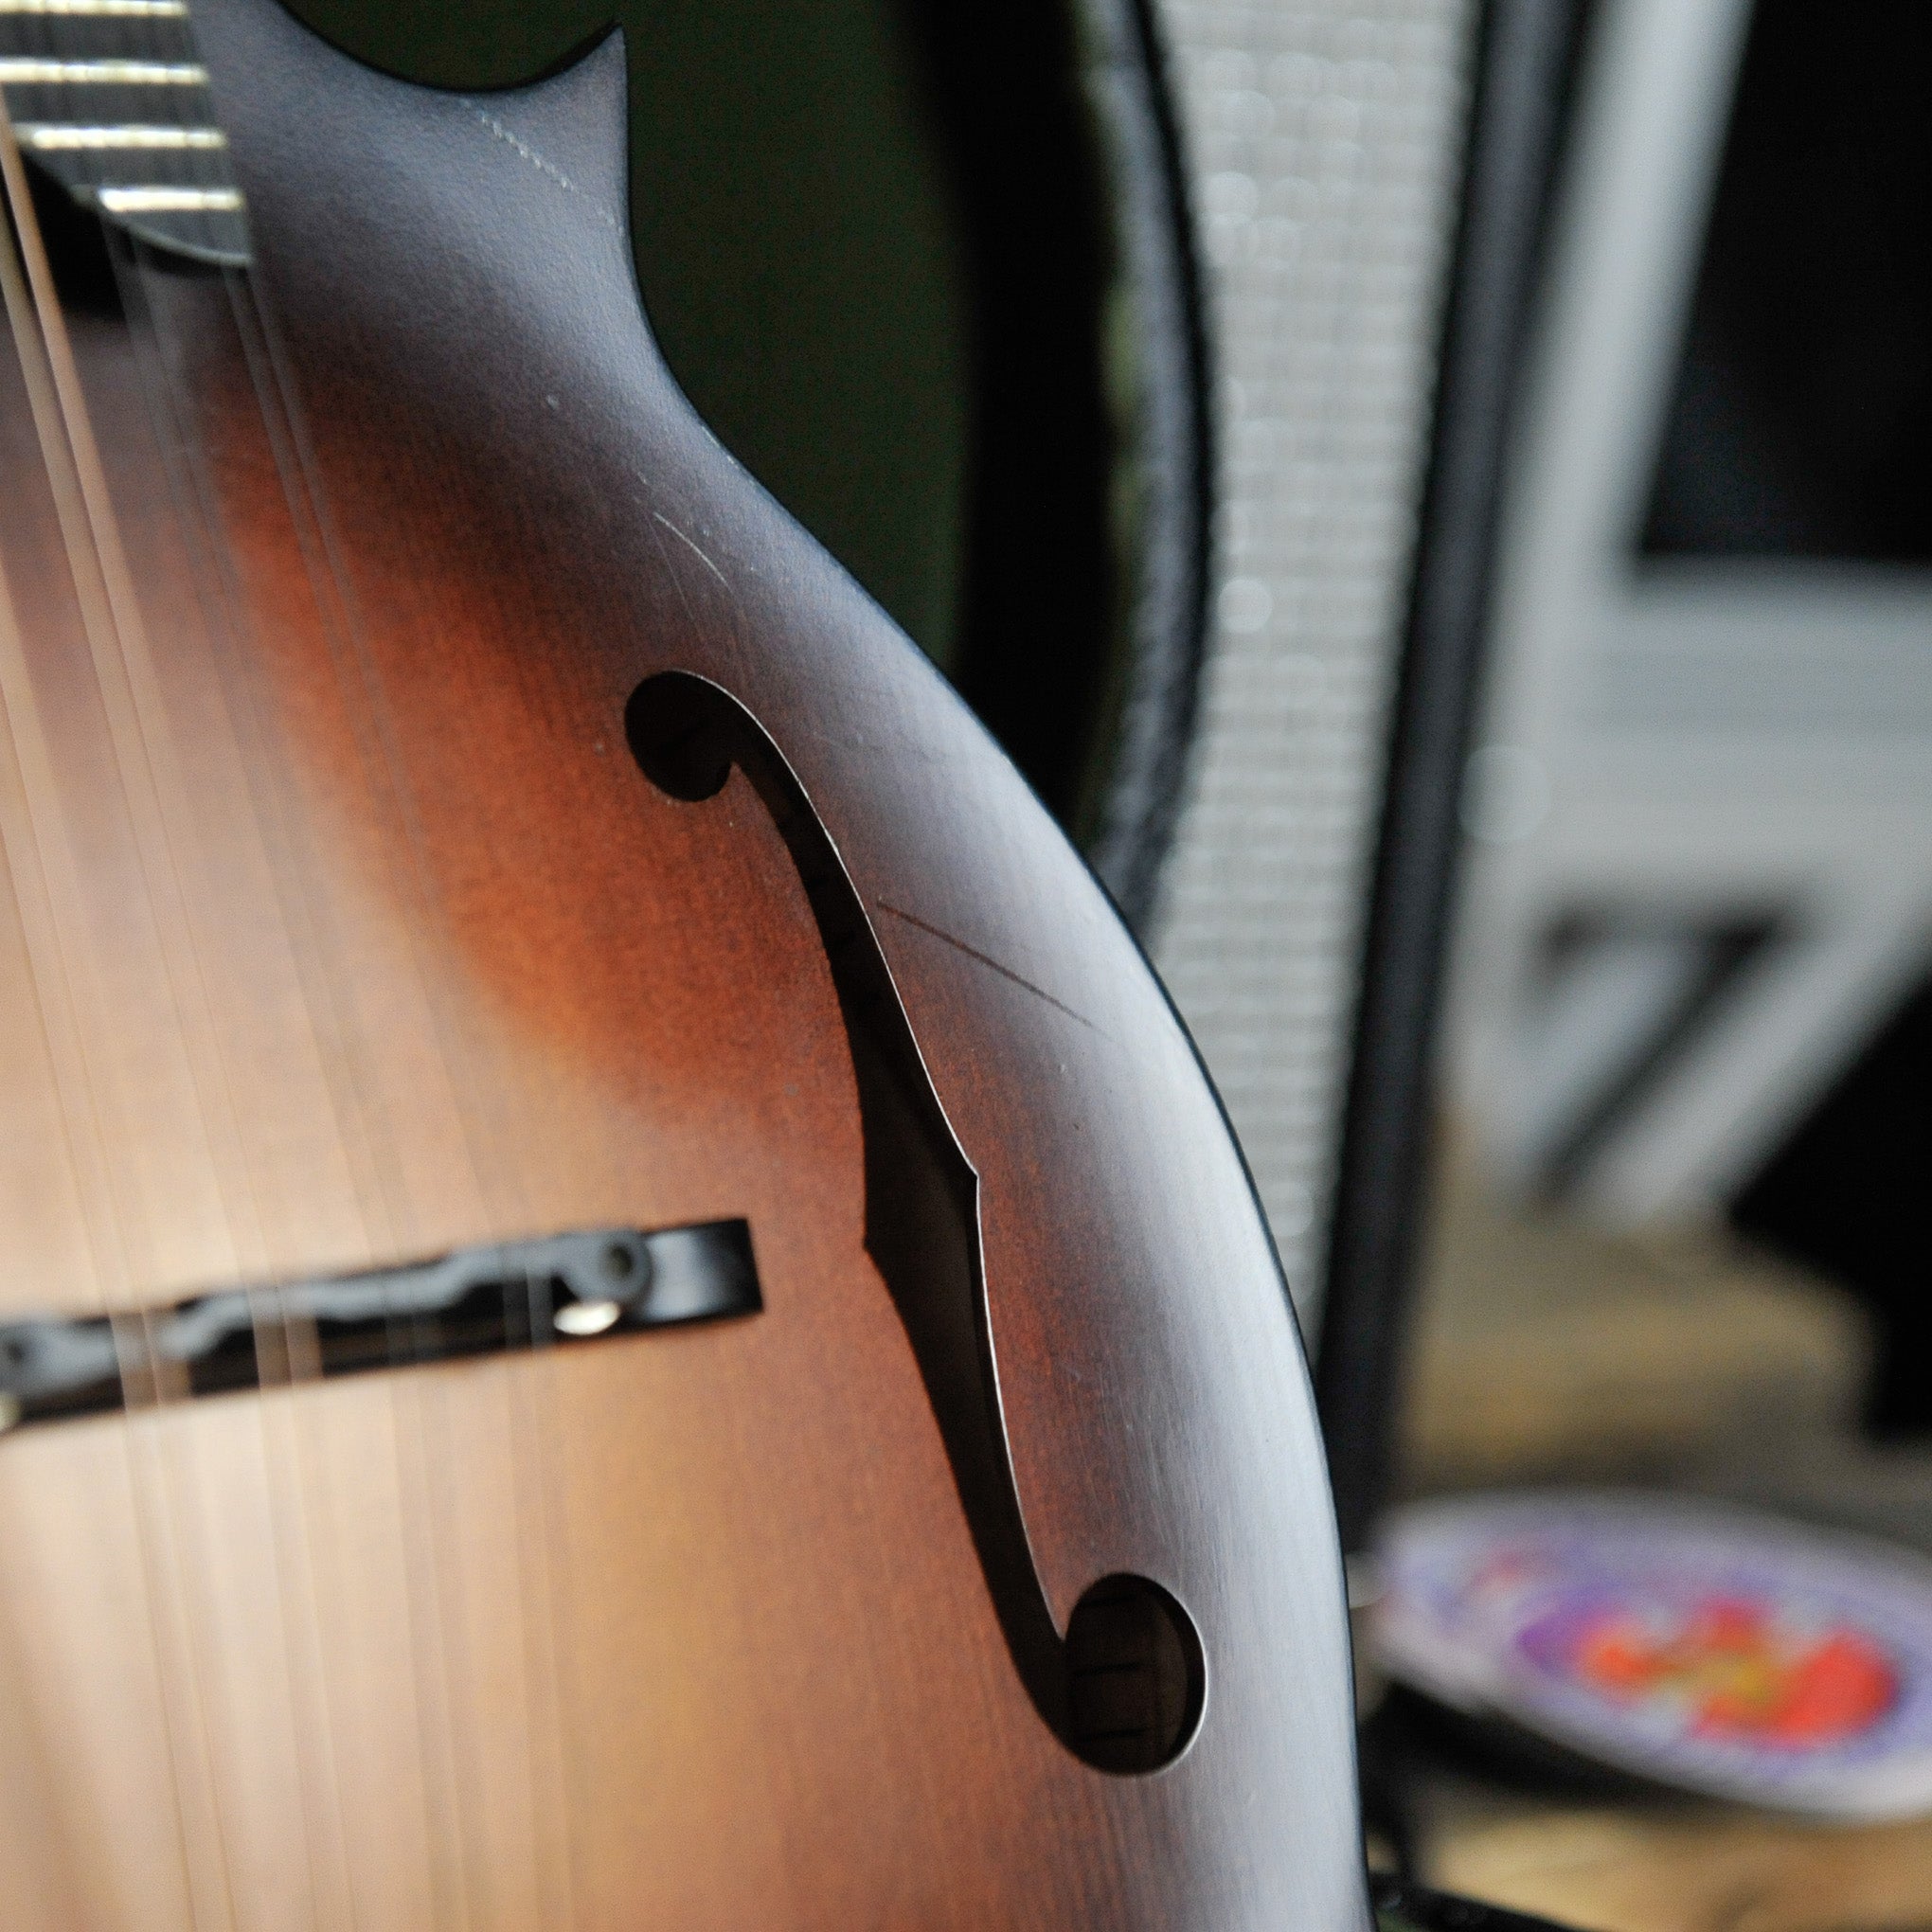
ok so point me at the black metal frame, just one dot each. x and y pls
(1524, 61)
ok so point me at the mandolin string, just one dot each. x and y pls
(413, 1463)
(276, 1459)
(109, 1222)
(496, 1172)
(187, 986)
(357, 666)
(475, 1115)
(488, 1155)
(21, 841)
(51, 973)
(111, 618)
(116, 592)
(284, 1357)
(229, 637)
(340, 1057)
(372, 1176)
(379, 1175)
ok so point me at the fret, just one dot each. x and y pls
(108, 97)
(16, 71)
(47, 137)
(100, 10)
(167, 201)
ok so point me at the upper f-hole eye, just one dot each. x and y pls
(671, 723)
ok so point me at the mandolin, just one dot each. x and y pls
(626, 1305)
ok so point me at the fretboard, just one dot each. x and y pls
(109, 98)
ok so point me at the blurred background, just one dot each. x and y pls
(1678, 1233)
(1437, 497)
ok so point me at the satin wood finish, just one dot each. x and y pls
(344, 930)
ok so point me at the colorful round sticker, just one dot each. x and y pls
(1727, 1654)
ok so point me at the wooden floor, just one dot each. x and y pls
(1625, 1871)
(1682, 1362)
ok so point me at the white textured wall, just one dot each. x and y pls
(1324, 142)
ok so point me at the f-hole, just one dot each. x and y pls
(1124, 1688)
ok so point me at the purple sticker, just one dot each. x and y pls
(1724, 1653)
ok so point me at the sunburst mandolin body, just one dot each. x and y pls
(448, 809)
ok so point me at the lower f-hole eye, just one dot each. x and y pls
(1137, 1677)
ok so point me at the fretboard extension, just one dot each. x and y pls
(109, 98)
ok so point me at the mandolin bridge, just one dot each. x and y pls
(567, 1290)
